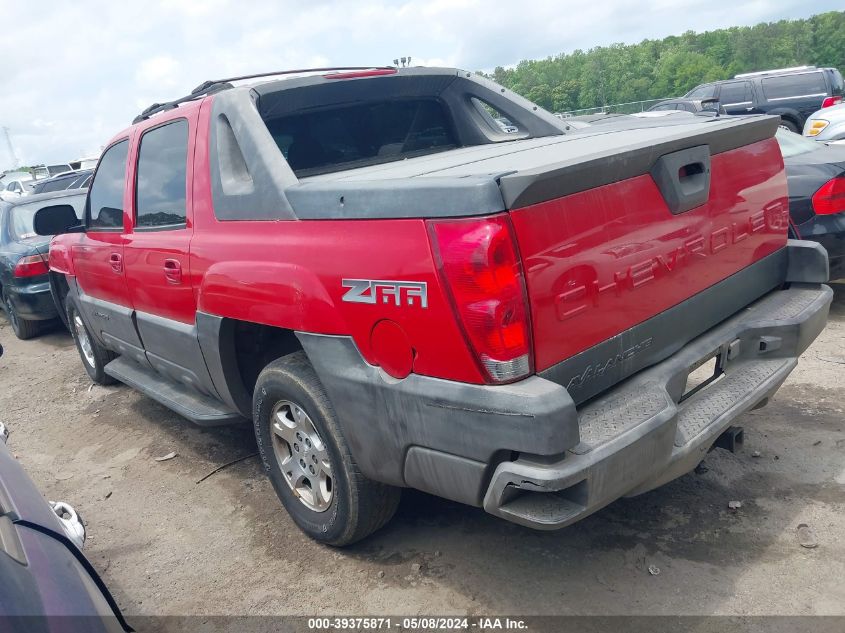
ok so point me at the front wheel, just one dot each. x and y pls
(307, 458)
(94, 356)
(23, 328)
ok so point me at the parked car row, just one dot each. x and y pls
(16, 184)
(794, 94)
(24, 280)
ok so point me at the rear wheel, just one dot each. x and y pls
(94, 356)
(23, 328)
(790, 125)
(308, 460)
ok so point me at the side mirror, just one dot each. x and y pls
(712, 105)
(57, 219)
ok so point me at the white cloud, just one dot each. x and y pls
(80, 72)
(159, 70)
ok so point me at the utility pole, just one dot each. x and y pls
(15, 162)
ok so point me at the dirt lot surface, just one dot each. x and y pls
(166, 544)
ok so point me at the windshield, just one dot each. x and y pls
(792, 144)
(21, 219)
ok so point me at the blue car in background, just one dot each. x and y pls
(24, 279)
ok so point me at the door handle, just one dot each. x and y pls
(116, 262)
(173, 271)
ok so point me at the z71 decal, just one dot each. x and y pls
(380, 291)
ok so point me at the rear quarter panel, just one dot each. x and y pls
(290, 274)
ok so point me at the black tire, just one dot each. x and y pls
(23, 328)
(358, 506)
(100, 356)
(790, 125)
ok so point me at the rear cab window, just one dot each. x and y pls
(21, 216)
(810, 84)
(347, 136)
(104, 211)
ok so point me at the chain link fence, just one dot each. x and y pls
(618, 108)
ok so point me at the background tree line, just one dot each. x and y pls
(655, 69)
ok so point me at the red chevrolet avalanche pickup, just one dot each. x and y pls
(400, 291)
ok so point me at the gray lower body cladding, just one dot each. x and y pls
(526, 453)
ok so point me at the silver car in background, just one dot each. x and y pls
(827, 124)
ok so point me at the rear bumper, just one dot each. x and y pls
(33, 302)
(640, 435)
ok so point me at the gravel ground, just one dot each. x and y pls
(166, 544)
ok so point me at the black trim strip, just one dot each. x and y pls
(600, 367)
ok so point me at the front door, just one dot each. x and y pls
(737, 97)
(98, 257)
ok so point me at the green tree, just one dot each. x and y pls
(654, 69)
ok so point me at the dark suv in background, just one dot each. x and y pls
(793, 93)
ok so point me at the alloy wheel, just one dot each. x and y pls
(302, 456)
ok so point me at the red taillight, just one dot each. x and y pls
(830, 198)
(31, 266)
(831, 101)
(479, 263)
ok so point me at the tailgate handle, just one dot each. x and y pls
(683, 178)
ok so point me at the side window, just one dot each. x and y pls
(735, 92)
(706, 91)
(162, 176)
(794, 85)
(495, 119)
(105, 201)
(56, 185)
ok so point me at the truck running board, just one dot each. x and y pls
(198, 408)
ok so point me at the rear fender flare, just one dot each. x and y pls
(282, 295)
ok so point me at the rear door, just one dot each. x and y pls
(98, 257)
(157, 249)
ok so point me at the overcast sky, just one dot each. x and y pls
(76, 73)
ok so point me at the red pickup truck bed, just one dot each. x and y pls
(400, 291)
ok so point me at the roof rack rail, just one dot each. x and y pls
(776, 71)
(216, 85)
